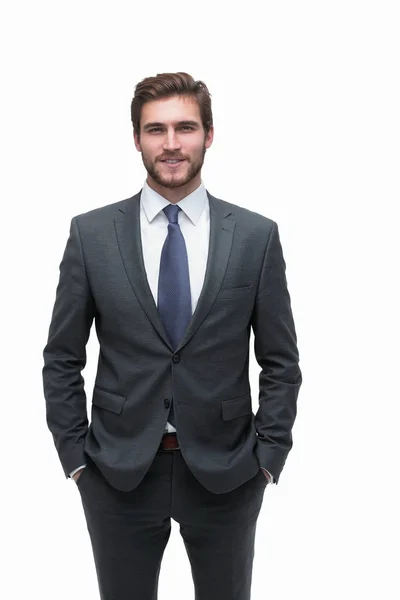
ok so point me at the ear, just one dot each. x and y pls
(137, 142)
(209, 137)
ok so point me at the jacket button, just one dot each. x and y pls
(176, 358)
(166, 403)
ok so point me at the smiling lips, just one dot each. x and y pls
(173, 162)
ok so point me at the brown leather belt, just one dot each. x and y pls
(169, 442)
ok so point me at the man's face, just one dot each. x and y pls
(171, 128)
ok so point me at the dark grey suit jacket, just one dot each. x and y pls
(102, 278)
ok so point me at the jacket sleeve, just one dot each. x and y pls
(65, 355)
(275, 348)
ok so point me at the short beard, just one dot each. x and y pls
(194, 169)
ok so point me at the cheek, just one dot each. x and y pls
(194, 149)
(151, 153)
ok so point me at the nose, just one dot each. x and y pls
(171, 140)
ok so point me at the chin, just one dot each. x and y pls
(172, 180)
(174, 183)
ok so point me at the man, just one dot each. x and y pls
(175, 279)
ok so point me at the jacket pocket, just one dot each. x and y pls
(237, 292)
(108, 400)
(236, 407)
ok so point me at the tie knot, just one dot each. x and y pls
(171, 210)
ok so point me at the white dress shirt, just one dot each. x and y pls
(194, 222)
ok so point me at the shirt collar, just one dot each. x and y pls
(192, 205)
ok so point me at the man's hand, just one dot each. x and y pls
(76, 475)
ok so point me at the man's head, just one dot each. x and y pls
(172, 119)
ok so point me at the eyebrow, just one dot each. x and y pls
(178, 123)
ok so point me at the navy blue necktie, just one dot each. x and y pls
(174, 298)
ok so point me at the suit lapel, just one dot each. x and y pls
(127, 227)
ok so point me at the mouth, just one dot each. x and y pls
(173, 162)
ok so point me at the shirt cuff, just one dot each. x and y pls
(271, 478)
(76, 470)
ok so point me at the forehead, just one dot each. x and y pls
(167, 110)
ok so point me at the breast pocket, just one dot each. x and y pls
(235, 292)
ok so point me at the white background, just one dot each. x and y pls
(306, 112)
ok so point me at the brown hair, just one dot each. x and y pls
(164, 85)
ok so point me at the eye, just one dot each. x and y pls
(187, 127)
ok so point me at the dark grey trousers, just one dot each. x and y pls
(130, 530)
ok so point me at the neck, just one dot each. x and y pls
(174, 195)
